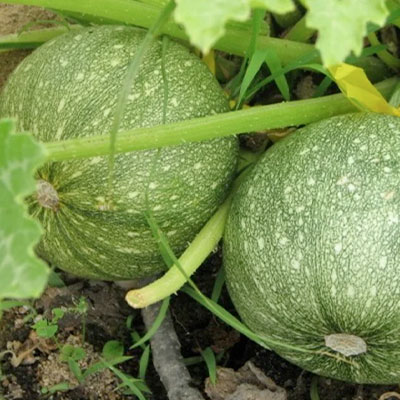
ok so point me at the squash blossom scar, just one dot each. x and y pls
(47, 196)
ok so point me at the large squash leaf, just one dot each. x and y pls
(22, 274)
(205, 20)
(342, 24)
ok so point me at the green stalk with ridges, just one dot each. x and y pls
(194, 130)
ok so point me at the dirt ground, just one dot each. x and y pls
(12, 19)
(36, 363)
(28, 363)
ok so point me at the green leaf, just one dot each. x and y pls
(113, 349)
(342, 25)
(72, 352)
(205, 20)
(275, 6)
(75, 369)
(22, 273)
(45, 329)
(58, 314)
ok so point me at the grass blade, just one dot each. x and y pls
(275, 66)
(209, 358)
(144, 362)
(218, 285)
(255, 63)
(157, 322)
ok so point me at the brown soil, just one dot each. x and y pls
(106, 320)
(12, 19)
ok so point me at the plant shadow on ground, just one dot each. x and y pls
(106, 320)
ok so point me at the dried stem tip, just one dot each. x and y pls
(46, 195)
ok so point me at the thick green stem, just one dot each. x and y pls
(253, 119)
(235, 41)
(203, 244)
(300, 32)
(391, 61)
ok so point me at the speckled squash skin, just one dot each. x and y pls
(67, 89)
(312, 246)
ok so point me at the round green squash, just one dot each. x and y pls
(312, 248)
(68, 88)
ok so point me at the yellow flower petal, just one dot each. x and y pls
(355, 85)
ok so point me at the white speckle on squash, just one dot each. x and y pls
(388, 195)
(107, 112)
(78, 37)
(174, 197)
(132, 195)
(310, 181)
(152, 185)
(157, 208)
(115, 62)
(295, 264)
(95, 160)
(287, 189)
(197, 165)
(351, 187)
(338, 248)
(133, 96)
(333, 276)
(61, 105)
(283, 241)
(80, 77)
(350, 291)
(393, 218)
(261, 243)
(343, 180)
(383, 262)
